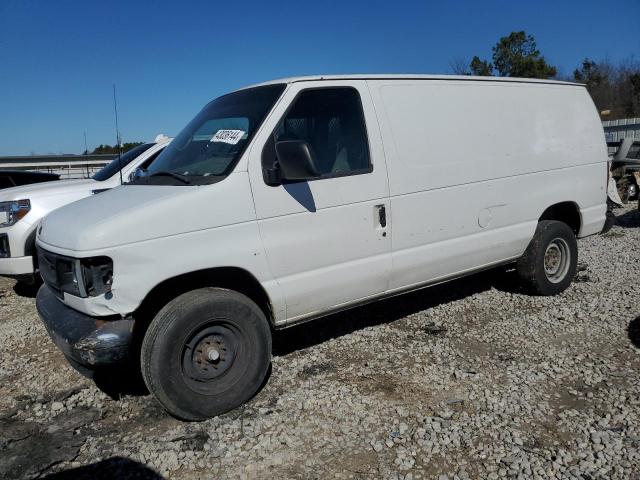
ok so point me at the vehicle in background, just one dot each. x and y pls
(613, 200)
(22, 208)
(17, 178)
(288, 201)
(625, 167)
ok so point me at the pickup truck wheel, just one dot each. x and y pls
(206, 352)
(549, 263)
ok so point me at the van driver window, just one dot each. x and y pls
(331, 121)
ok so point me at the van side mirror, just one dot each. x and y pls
(296, 160)
(137, 173)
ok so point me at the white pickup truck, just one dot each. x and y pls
(22, 208)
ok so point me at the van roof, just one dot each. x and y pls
(411, 76)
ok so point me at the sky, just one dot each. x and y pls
(59, 59)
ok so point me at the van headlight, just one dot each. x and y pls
(87, 277)
(80, 277)
(11, 212)
(97, 275)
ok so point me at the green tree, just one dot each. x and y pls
(102, 149)
(515, 55)
(481, 68)
(591, 74)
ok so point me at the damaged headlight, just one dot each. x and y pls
(86, 277)
(11, 212)
(81, 277)
(97, 275)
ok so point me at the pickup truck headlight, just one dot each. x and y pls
(11, 212)
(81, 277)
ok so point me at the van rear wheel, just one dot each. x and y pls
(549, 263)
(206, 352)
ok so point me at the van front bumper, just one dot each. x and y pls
(89, 341)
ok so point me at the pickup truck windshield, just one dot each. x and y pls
(212, 143)
(112, 168)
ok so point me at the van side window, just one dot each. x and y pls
(331, 121)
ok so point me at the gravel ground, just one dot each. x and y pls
(471, 379)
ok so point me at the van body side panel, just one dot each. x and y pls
(472, 166)
(454, 241)
(592, 220)
(233, 246)
(454, 133)
(322, 237)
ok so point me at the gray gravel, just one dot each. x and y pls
(467, 380)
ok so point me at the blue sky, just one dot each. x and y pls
(58, 59)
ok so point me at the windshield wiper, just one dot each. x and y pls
(164, 173)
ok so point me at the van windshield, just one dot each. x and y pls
(211, 144)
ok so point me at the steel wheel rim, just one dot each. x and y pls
(210, 352)
(557, 259)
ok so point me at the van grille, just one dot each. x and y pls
(50, 264)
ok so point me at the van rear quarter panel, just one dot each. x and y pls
(473, 164)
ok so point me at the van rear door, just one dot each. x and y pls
(327, 240)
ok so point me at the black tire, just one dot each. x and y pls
(553, 274)
(178, 356)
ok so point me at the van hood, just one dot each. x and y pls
(136, 213)
(45, 189)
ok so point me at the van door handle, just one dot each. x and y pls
(382, 215)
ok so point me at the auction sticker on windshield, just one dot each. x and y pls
(228, 136)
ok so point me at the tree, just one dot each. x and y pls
(613, 87)
(599, 79)
(591, 74)
(515, 55)
(518, 56)
(634, 80)
(460, 66)
(114, 149)
(481, 68)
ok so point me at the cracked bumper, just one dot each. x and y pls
(89, 341)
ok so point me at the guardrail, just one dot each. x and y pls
(615, 130)
(67, 166)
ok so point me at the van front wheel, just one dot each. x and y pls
(206, 352)
(549, 263)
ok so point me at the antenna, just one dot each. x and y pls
(115, 109)
(86, 153)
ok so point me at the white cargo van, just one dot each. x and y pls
(22, 208)
(284, 202)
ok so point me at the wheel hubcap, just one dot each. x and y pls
(210, 352)
(557, 260)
